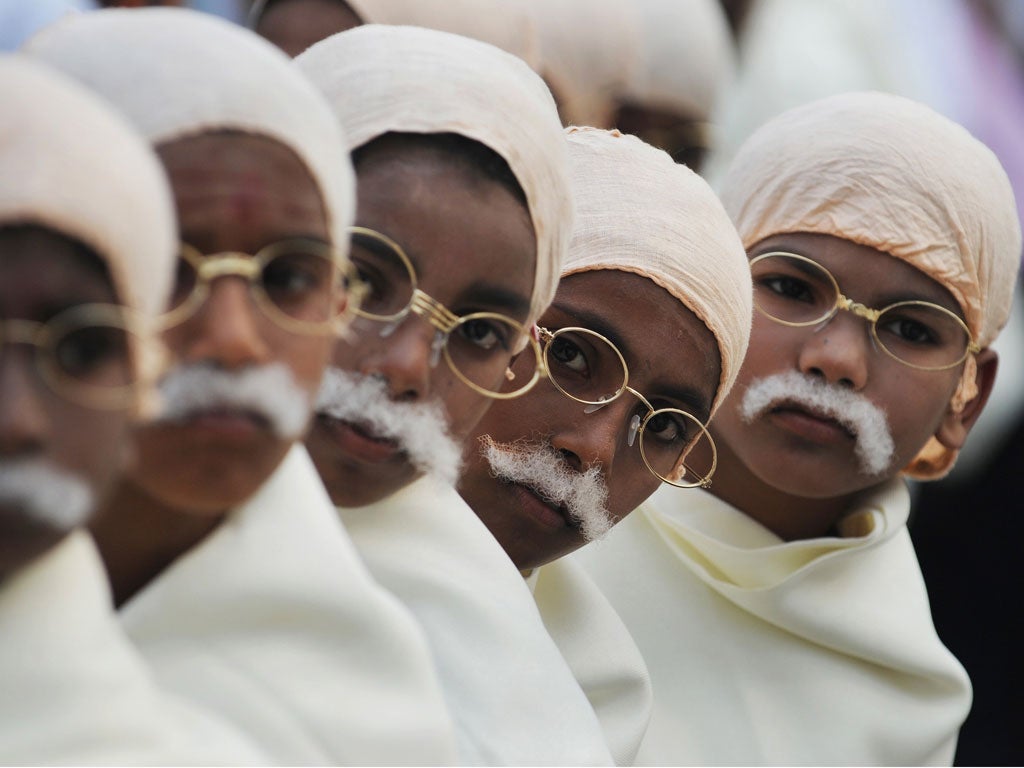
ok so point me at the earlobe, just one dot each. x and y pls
(955, 427)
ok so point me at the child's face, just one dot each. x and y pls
(799, 449)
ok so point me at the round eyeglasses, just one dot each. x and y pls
(477, 347)
(297, 283)
(797, 291)
(84, 354)
(587, 367)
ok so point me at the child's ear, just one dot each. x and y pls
(953, 430)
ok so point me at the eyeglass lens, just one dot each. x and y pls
(798, 291)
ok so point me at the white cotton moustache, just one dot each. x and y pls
(269, 391)
(46, 493)
(419, 429)
(543, 470)
(873, 440)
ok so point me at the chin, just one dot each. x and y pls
(817, 478)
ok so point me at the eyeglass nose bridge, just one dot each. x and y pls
(18, 331)
(227, 265)
(860, 310)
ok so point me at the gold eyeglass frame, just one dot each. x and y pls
(249, 267)
(42, 336)
(637, 425)
(870, 314)
(445, 321)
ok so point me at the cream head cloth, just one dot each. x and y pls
(588, 51)
(382, 79)
(639, 211)
(179, 73)
(889, 173)
(70, 163)
(687, 57)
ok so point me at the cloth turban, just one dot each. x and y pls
(638, 211)
(587, 63)
(382, 79)
(71, 164)
(889, 173)
(686, 56)
(179, 73)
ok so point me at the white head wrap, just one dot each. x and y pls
(892, 174)
(71, 164)
(502, 23)
(639, 211)
(686, 56)
(381, 79)
(179, 73)
(588, 51)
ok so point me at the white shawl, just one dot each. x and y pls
(513, 698)
(273, 622)
(816, 652)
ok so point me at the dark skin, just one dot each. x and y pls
(797, 474)
(682, 136)
(295, 25)
(234, 192)
(473, 248)
(42, 274)
(529, 530)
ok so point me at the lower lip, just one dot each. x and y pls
(532, 504)
(356, 443)
(812, 428)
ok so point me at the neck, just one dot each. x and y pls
(789, 517)
(139, 537)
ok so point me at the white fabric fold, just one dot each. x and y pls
(599, 650)
(819, 651)
(75, 692)
(273, 622)
(511, 694)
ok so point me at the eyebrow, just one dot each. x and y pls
(693, 399)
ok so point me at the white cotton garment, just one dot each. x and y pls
(274, 622)
(181, 73)
(892, 174)
(638, 211)
(512, 696)
(75, 691)
(686, 56)
(506, 24)
(599, 650)
(55, 173)
(763, 652)
(587, 65)
(416, 80)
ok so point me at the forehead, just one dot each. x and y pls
(240, 191)
(458, 228)
(43, 272)
(865, 274)
(669, 350)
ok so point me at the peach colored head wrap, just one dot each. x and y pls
(686, 56)
(639, 211)
(71, 164)
(889, 173)
(381, 79)
(588, 50)
(502, 23)
(178, 73)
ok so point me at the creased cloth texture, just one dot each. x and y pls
(763, 652)
(586, 64)
(638, 211)
(510, 692)
(76, 692)
(506, 24)
(180, 73)
(892, 174)
(686, 56)
(58, 146)
(600, 652)
(274, 623)
(424, 81)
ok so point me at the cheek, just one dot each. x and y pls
(629, 486)
(306, 357)
(95, 445)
